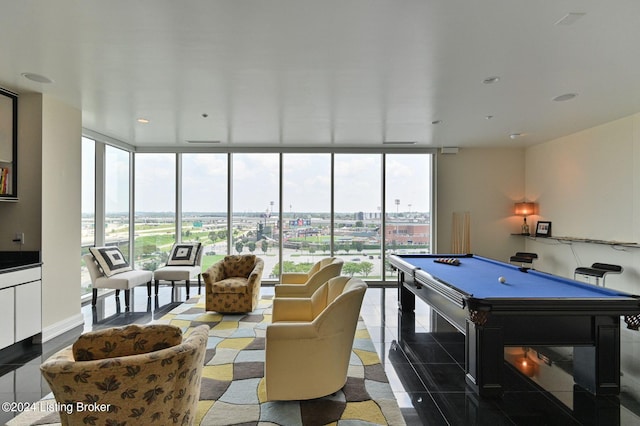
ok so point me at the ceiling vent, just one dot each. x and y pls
(202, 142)
(449, 150)
(399, 142)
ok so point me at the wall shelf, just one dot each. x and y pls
(583, 240)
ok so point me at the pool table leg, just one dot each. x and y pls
(406, 299)
(597, 368)
(484, 358)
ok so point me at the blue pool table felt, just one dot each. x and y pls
(478, 276)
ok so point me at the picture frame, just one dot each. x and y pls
(543, 229)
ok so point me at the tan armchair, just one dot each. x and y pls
(134, 374)
(309, 343)
(232, 285)
(296, 284)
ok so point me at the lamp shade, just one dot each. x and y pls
(524, 209)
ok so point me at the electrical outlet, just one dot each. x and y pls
(19, 239)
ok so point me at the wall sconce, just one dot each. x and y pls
(524, 209)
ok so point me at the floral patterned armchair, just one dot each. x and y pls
(232, 285)
(136, 374)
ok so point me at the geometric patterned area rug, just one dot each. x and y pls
(232, 390)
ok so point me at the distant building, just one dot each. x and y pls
(370, 216)
(408, 233)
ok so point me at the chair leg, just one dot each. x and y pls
(149, 289)
(95, 297)
(187, 285)
(199, 283)
(127, 297)
(157, 282)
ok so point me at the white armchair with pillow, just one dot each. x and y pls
(184, 263)
(109, 269)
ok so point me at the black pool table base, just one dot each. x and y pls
(595, 338)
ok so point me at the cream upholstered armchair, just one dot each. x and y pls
(135, 374)
(232, 285)
(296, 284)
(309, 342)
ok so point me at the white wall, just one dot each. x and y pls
(486, 183)
(48, 209)
(61, 216)
(587, 185)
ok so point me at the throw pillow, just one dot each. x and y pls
(184, 254)
(110, 260)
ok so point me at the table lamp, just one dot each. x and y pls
(527, 366)
(524, 209)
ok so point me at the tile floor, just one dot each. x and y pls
(425, 369)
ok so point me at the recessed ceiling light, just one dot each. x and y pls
(143, 120)
(488, 117)
(38, 78)
(515, 135)
(565, 97)
(491, 80)
(434, 122)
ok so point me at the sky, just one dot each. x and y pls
(306, 182)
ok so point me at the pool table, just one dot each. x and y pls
(530, 308)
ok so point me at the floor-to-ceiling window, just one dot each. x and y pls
(357, 213)
(116, 203)
(88, 202)
(205, 180)
(359, 206)
(306, 212)
(407, 204)
(155, 209)
(255, 194)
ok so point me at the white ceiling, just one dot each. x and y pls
(328, 72)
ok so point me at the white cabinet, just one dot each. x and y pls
(20, 305)
(28, 310)
(7, 317)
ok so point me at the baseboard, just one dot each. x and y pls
(60, 328)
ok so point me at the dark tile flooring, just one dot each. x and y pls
(425, 369)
